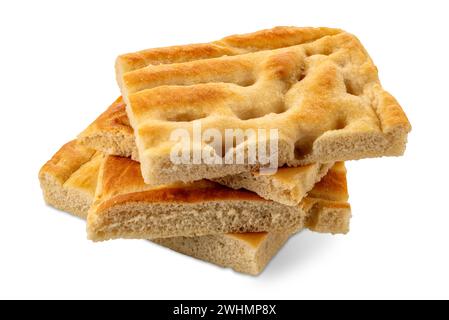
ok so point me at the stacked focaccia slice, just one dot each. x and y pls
(71, 181)
(315, 89)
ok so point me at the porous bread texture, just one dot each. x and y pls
(317, 86)
(112, 134)
(125, 207)
(68, 200)
(112, 143)
(140, 220)
(288, 186)
(231, 251)
(327, 203)
(332, 219)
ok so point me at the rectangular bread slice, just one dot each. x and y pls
(112, 134)
(69, 181)
(317, 86)
(126, 207)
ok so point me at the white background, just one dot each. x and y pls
(57, 75)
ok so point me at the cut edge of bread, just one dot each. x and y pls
(230, 251)
(125, 207)
(288, 186)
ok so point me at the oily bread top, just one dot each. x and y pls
(64, 163)
(72, 167)
(113, 120)
(318, 87)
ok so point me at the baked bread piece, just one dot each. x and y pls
(111, 134)
(126, 207)
(318, 87)
(243, 252)
(287, 186)
(68, 183)
(69, 179)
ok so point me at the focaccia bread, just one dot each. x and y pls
(69, 181)
(111, 134)
(318, 87)
(243, 252)
(126, 207)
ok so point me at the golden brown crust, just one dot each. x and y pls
(69, 158)
(113, 119)
(278, 37)
(319, 87)
(391, 115)
(333, 186)
(68, 180)
(269, 39)
(86, 177)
